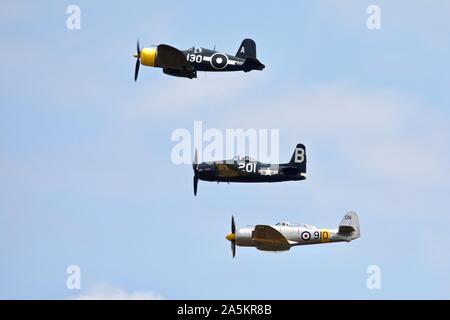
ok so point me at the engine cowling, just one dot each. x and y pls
(149, 56)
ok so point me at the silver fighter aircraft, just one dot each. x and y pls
(283, 235)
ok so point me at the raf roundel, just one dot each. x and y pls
(306, 235)
(219, 61)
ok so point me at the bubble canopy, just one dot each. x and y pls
(243, 158)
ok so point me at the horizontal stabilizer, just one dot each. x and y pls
(252, 64)
(291, 170)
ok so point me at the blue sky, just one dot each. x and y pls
(86, 176)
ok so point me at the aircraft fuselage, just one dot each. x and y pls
(245, 171)
(203, 59)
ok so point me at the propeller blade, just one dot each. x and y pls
(138, 60)
(195, 167)
(136, 70)
(138, 49)
(195, 184)
(195, 163)
(233, 242)
(233, 225)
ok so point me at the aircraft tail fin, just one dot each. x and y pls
(298, 158)
(350, 225)
(247, 49)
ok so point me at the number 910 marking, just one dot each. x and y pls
(322, 235)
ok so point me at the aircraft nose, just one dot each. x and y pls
(148, 56)
(231, 237)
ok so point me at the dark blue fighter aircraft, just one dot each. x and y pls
(186, 63)
(246, 169)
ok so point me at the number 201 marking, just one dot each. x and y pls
(247, 167)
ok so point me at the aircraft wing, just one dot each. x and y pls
(172, 58)
(226, 170)
(268, 238)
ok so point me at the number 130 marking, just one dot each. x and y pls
(194, 58)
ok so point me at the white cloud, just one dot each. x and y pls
(108, 292)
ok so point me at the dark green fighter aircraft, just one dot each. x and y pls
(246, 169)
(186, 63)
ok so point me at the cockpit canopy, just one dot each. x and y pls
(283, 224)
(243, 158)
(195, 49)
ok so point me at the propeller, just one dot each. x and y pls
(137, 55)
(195, 167)
(233, 241)
(232, 237)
